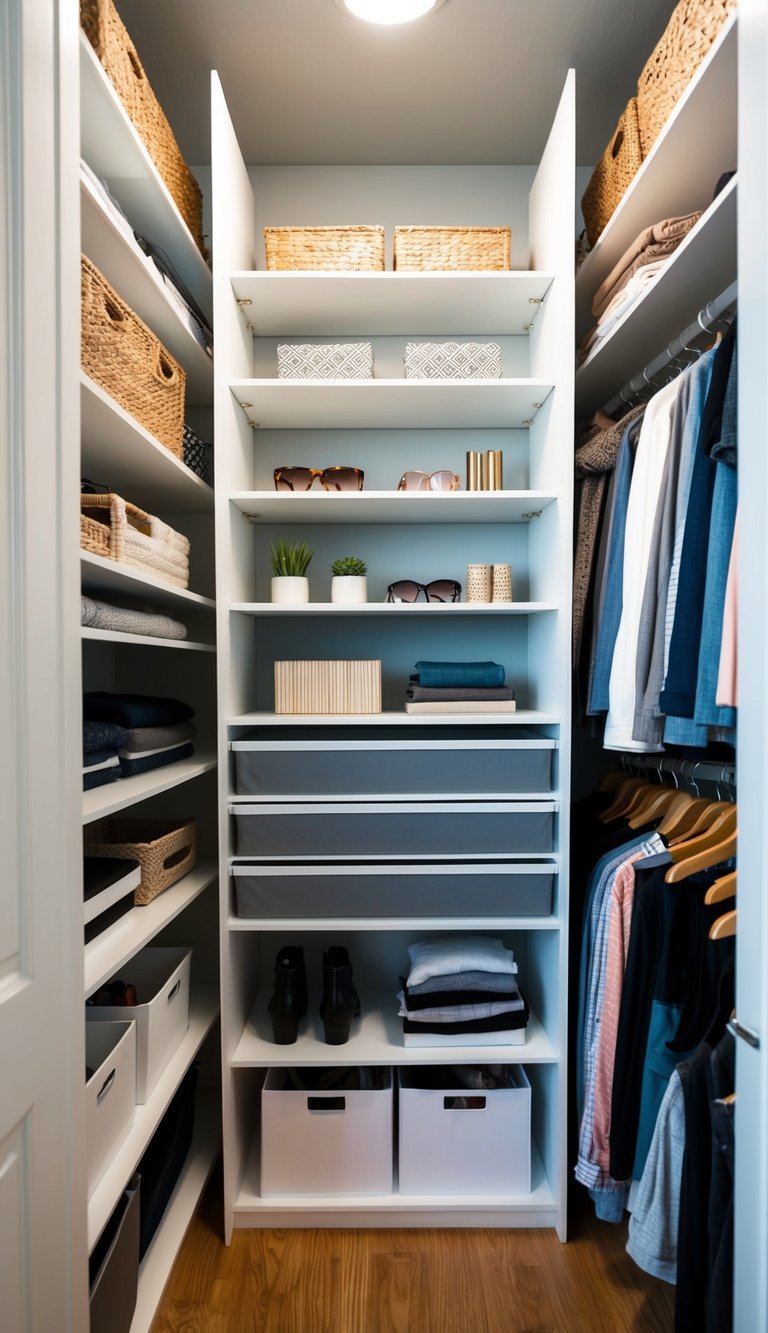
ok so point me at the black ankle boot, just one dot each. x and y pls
(289, 998)
(340, 1002)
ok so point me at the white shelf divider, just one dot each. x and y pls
(299, 925)
(144, 640)
(524, 717)
(100, 575)
(392, 506)
(104, 956)
(420, 608)
(295, 304)
(114, 796)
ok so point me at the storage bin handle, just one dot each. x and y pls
(618, 141)
(461, 1103)
(113, 313)
(164, 371)
(326, 1103)
(176, 858)
(106, 1085)
(173, 990)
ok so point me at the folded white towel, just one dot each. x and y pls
(459, 953)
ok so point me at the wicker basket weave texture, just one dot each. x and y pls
(620, 162)
(339, 249)
(165, 849)
(446, 249)
(133, 537)
(687, 38)
(128, 360)
(109, 38)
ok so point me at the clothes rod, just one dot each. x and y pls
(703, 321)
(689, 770)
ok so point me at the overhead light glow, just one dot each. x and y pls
(389, 11)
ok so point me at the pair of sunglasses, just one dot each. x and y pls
(331, 478)
(439, 590)
(425, 481)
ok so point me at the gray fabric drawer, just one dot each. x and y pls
(462, 890)
(381, 768)
(428, 828)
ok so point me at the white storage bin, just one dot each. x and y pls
(456, 1141)
(110, 1093)
(325, 1142)
(426, 828)
(161, 978)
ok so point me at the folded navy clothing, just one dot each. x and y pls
(507, 1022)
(453, 674)
(134, 710)
(458, 693)
(130, 767)
(100, 777)
(98, 757)
(439, 999)
(99, 736)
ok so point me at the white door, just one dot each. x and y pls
(43, 1257)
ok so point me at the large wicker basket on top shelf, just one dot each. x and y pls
(338, 249)
(446, 249)
(128, 360)
(687, 38)
(620, 161)
(107, 34)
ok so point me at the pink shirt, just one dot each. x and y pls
(622, 899)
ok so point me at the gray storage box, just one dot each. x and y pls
(489, 889)
(269, 768)
(427, 828)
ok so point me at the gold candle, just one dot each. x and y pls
(473, 471)
(485, 462)
(496, 476)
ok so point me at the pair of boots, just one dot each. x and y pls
(340, 1002)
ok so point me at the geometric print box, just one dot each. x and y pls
(452, 361)
(331, 361)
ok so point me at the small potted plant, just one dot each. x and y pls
(349, 583)
(290, 561)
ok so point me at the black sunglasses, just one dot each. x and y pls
(439, 590)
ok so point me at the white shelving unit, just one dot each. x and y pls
(386, 425)
(117, 450)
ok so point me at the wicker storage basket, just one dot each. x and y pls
(337, 248)
(104, 29)
(687, 38)
(122, 355)
(112, 527)
(442, 249)
(615, 171)
(164, 848)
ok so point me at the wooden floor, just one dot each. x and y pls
(410, 1281)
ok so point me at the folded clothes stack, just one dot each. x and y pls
(151, 731)
(635, 272)
(459, 687)
(127, 620)
(462, 991)
(101, 758)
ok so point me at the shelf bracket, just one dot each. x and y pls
(538, 302)
(532, 513)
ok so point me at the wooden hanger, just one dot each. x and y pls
(682, 814)
(724, 927)
(612, 780)
(702, 859)
(721, 827)
(622, 802)
(655, 803)
(724, 887)
(705, 819)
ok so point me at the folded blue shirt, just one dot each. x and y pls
(453, 674)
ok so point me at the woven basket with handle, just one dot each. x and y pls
(118, 530)
(446, 249)
(615, 171)
(687, 38)
(126, 358)
(339, 249)
(164, 848)
(106, 32)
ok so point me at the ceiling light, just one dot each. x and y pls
(389, 11)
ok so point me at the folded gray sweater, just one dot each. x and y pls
(124, 620)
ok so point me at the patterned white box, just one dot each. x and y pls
(452, 361)
(325, 361)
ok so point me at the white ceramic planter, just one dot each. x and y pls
(290, 590)
(349, 588)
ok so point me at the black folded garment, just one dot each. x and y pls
(100, 736)
(457, 693)
(130, 767)
(508, 1022)
(440, 999)
(101, 777)
(134, 710)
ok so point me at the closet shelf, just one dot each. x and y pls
(702, 266)
(144, 640)
(678, 175)
(370, 304)
(114, 150)
(393, 608)
(139, 281)
(524, 717)
(300, 925)
(117, 450)
(392, 506)
(390, 404)
(376, 1039)
(114, 796)
(203, 1012)
(397, 1209)
(104, 956)
(109, 577)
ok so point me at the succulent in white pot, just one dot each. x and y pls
(290, 561)
(349, 582)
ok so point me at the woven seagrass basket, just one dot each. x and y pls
(445, 249)
(104, 29)
(687, 38)
(118, 530)
(165, 849)
(615, 171)
(122, 355)
(341, 249)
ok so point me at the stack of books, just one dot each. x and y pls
(459, 687)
